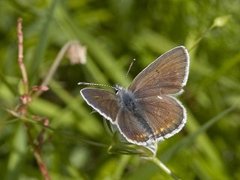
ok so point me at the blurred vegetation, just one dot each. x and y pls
(75, 144)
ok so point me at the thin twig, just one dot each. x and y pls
(55, 65)
(20, 56)
(164, 167)
(37, 155)
(41, 165)
(25, 99)
(201, 37)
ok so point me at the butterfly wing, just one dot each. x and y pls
(104, 102)
(134, 132)
(166, 75)
(164, 114)
(152, 89)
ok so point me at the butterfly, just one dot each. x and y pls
(147, 111)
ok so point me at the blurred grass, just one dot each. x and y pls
(115, 32)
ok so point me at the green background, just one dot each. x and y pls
(77, 144)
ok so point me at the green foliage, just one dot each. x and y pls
(76, 144)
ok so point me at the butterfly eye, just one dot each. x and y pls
(117, 88)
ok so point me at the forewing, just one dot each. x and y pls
(164, 114)
(104, 102)
(166, 75)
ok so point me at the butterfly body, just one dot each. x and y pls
(147, 111)
(126, 99)
(128, 102)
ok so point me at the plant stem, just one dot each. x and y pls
(164, 167)
(20, 56)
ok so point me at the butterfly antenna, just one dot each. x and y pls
(95, 84)
(130, 66)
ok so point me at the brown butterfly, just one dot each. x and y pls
(147, 111)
